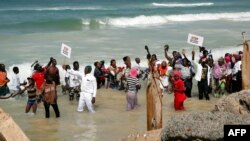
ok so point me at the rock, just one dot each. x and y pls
(200, 126)
(237, 103)
(9, 130)
(231, 109)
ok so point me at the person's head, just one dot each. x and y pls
(227, 54)
(38, 67)
(102, 62)
(97, 64)
(154, 57)
(53, 62)
(87, 69)
(221, 61)
(175, 55)
(163, 64)
(2, 67)
(177, 74)
(137, 60)
(31, 81)
(16, 70)
(201, 48)
(205, 53)
(113, 63)
(227, 58)
(185, 62)
(127, 61)
(66, 67)
(76, 65)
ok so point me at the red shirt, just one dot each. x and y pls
(39, 79)
(179, 96)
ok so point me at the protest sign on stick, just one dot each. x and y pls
(195, 40)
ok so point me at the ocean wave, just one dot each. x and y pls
(123, 22)
(143, 20)
(56, 8)
(182, 4)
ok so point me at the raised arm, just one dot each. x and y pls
(184, 54)
(166, 47)
(146, 48)
(148, 53)
(49, 63)
(76, 73)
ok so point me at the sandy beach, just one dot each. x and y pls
(110, 122)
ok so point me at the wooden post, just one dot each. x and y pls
(154, 104)
(245, 64)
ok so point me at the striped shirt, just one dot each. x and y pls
(132, 83)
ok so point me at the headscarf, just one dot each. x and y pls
(227, 59)
(133, 72)
(177, 73)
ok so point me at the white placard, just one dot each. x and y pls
(195, 40)
(65, 50)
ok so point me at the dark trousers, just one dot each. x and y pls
(188, 85)
(203, 89)
(236, 86)
(55, 107)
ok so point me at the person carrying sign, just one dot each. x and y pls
(202, 75)
(73, 82)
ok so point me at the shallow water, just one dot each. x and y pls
(110, 122)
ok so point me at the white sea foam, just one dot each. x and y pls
(143, 20)
(182, 4)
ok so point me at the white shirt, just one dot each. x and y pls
(88, 84)
(139, 68)
(15, 82)
(198, 74)
(236, 69)
(74, 80)
(165, 79)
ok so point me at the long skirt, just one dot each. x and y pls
(179, 101)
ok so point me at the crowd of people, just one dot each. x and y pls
(175, 74)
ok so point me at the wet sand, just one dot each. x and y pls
(110, 122)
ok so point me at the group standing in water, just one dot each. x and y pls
(175, 75)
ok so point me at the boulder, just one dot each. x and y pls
(9, 130)
(237, 103)
(201, 126)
